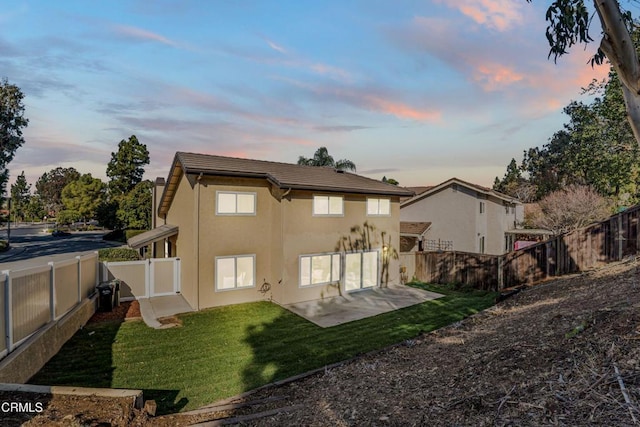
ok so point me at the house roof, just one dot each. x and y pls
(417, 190)
(414, 228)
(436, 188)
(282, 175)
(148, 237)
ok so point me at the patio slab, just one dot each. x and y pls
(155, 308)
(360, 305)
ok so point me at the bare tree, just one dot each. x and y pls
(573, 207)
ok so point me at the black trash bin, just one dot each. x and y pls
(105, 296)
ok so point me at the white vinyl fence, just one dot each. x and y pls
(144, 279)
(32, 297)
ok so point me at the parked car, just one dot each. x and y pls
(60, 233)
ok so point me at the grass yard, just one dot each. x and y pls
(224, 351)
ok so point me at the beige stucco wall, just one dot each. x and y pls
(281, 231)
(455, 215)
(306, 234)
(183, 213)
(231, 235)
(452, 215)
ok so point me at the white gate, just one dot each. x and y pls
(144, 279)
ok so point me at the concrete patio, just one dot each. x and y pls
(360, 305)
(156, 308)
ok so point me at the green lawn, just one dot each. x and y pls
(224, 351)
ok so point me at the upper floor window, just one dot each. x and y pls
(328, 205)
(482, 207)
(235, 203)
(379, 207)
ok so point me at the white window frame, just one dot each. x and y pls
(335, 257)
(236, 194)
(235, 273)
(316, 197)
(378, 206)
(360, 279)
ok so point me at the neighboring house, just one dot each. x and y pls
(464, 217)
(412, 235)
(308, 232)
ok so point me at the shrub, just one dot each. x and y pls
(118, 254)
(4, 246)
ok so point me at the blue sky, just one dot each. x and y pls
(419, 91)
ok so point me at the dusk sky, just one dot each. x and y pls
(418, 91)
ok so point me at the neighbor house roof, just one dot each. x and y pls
(414, 228)
(436, 188)
(282, 175)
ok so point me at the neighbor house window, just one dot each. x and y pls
(378, 207)
(319, 269)
(328, 205)
(235, 272)
(481, 207)
(235, 203)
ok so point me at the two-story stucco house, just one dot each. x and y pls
(464, 217)
(309, 232)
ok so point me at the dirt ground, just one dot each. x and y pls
(566, 352)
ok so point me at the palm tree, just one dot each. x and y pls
(322, 158)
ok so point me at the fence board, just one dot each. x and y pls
(88, 274)
(583, 249)
(3, 313)
(65, 285)
(30, 300)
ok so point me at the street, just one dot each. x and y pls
(31, 246)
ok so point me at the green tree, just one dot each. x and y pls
(135, 208)
(84, 196)
(20, 197)
(35, 209)
(390, 181)
(595, 148)
(12, 121)
(322, 158)
(569, 24)
(50, 185)
(126, 167)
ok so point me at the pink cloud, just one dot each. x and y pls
(499, 15)
(400, 110)
(494, 76)
(140, 34)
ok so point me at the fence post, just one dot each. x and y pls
(8, 312)
(79, 275)
(148, 275)
(52, 291)
(620, 238)
(501, 272)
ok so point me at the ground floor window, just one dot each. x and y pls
(235, 272)
(361, 270)
(319, 269)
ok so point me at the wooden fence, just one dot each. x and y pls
(580, 250)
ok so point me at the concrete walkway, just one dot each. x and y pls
(360, 305)
(156, 308)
